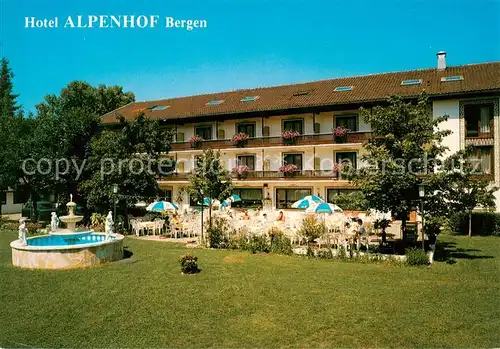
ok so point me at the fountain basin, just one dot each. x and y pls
(67, 251)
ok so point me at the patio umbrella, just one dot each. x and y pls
(308, 201)
(233, 198)
(206, 202)
(324, 207)
(162, 206)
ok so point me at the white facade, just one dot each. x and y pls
(317, 150)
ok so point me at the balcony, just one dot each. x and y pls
(352, 137)
(265, 175)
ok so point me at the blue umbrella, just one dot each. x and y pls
(234, 198)
(206, 202)
(307, 201)
(324, 207)
(162, 206)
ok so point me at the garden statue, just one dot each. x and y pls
(54, 222)
(109, 225)
(22, 231)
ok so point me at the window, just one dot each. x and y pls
(346, 157)
(295, 159)
(247, 160)
(452, 78)
(247, 127)
(293, 125)
(215, 102)
(167, 165)
(204, 132)
(165, 195)
(21, 196)
(482, 160)
(343, 88)
(161, 107)
(301, 93)
(348, 121)
(249, 99)
(3, 197)
(286, 197)
(478, 120)
(332, 193)
(411, 82)
(250, 197)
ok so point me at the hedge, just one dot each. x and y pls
(483, 223)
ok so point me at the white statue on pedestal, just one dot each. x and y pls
(22, 231)
(54, 222)
(109, 226)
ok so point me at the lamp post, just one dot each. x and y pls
(115, 191)
(202, 209)
(421, 194)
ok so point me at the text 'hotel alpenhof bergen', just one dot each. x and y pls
(271, 169)
(115, 21)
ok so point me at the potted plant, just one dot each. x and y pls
(337, 169)
(189, 264)
(241, 171)
(240, 139)
(288, 170)
(195, 142)
(289, 137)
(340, 134)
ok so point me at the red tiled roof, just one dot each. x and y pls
(377, 87)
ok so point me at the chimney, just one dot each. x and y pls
(441, 60)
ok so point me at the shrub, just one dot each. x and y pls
(189, 264)
(416, 256)
(33, 228)
(217, 233)
(310, 252)
(280, 243)
(483, 223)
(325, 254)
(258, 243)
(311, 228)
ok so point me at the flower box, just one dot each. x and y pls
(288, 170)
(240, 139)
(289, 137)
(195, 142)
(240, 171)
(340, 134)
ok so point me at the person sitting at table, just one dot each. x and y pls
(246, 217)
(281, 217)
(175, 219)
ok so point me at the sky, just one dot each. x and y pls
(246, 44)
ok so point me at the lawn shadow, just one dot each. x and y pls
(447, 250)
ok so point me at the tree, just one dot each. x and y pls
(401, 154)
(9, 118)
(211, 180)
(466, 187)
(129, 157)
(62, 131)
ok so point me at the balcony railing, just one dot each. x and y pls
(301, 174)
(352, 137)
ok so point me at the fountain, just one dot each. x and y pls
(67, 248)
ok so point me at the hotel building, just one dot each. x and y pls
(468, 94)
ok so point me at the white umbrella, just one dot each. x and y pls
(162, 206)
(308, 201)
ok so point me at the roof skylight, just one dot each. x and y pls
(411, 82)
(249, 99)
(343, 88)
(215, 102)
(301, 93)
(452, 78)
(161, 107)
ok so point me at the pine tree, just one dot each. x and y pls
(8, 109)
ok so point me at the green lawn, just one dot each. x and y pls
(243, 300)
